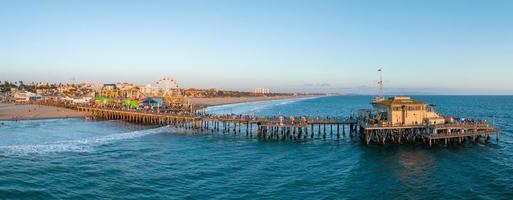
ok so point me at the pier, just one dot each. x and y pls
(278, 128)
(436, 134)
(394, 120)
(305, 128)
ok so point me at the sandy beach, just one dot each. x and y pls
(21, 112)
(24, 112)
(216, 101)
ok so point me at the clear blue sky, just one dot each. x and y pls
(423, 46)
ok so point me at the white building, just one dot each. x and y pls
(82, 100)
(22, 97)
(124, 86)
(262, 91)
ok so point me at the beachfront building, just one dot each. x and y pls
(6, 97)
(404, 111)
(77, 100)
(66, 89)
(72, 90)
(261, 91)
(120, 91)
(23, 97)
(193, 92)
(44, 91)
(124, 86)
(128, 90)
(109, 91)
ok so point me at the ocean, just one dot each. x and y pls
(78, 159)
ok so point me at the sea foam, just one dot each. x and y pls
(80, 145)
(252, 107)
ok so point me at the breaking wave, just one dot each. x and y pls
(251, 107)
(81, 145)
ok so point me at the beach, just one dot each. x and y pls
(24, 112)
(29, 111)
(216, 101)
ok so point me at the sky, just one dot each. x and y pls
(423, 47)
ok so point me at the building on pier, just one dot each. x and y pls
(405, 111)
(402, 118)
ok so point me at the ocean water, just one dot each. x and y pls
(77, 159)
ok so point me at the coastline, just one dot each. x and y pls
(13, 112)
(219, 101)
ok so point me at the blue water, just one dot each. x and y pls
(77, 159)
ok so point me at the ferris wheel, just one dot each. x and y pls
(168, 89)
(167, 84)
(165, 87)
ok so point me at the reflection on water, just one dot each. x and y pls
(416, 169)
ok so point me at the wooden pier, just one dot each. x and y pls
(429, 134)
(277, 128)
(303, 128)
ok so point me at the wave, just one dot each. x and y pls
(81, 145)
(251, 107)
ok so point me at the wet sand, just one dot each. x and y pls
(216, 101)
(22, 112)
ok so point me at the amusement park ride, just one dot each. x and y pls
(166, 89)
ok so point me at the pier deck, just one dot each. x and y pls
(263, 127)
(302, 128)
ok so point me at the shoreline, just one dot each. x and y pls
(16, 112)
(38, 118)
(13, 112)
(221, 101)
